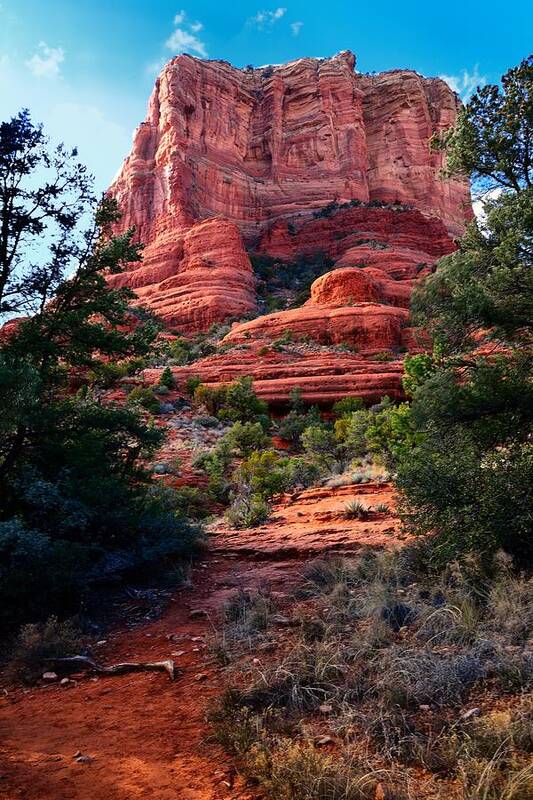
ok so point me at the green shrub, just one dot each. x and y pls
(143, 396)
(247, 511)
(351, 431)
(357, 510)
(301, 472)
(191, 384)
(262, 474)
(108, 373)
(244, 438)
(234, 402)
(167, 378)
(346, 406)
(320, 445)
(190, 502)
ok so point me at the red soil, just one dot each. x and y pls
(147, 737)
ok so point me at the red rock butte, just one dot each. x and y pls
(289, 161)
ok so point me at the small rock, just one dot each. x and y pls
(50, 677)
(84, 759)
(179, 653)
(195, 613)
(197, 639)
(424, 708)
(325, 708)
(201, 676)
(324, 740)
(65, 681)
(256, 661)
(472, 712)
(279, 619)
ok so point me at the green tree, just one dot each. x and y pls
(463, 450)
(76, 504)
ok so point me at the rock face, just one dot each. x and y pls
(291, 161)
(196, 278)
(253, 145)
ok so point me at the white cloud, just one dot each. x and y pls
(183, 38)
(45, 63)
(76, 116)
(466, 83)
(296, 27)
(181, 41)
(266, 19)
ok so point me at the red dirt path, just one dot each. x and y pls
(147, 736)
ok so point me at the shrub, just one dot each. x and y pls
(351, 431)
(346, 406)
(289, 770)
(247, 511)
(190, 502)
(167, 378)
(294, 424)
(36, 643)
(248, 612)
(246, 437)
(301, 472)
(262, 474)
(144, 397)
(234, 402)
(357, 510)
(418, 677)
(191, 384)
(216, 463)
(320, 445)
(108, 373)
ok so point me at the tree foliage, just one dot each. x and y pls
(76, 504)
(463, 450)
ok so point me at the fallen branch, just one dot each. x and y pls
(116, 669)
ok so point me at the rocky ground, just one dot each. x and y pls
(141, 735)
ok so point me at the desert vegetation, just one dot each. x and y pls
(393, 673)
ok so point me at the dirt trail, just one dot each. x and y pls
(145, 735)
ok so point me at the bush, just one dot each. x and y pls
(411, 678)
(191, 384)
(262, 474)
(357, 510)
(190, 502)
(37, 643)
(144, 397)
(320, 445)
(234, 402)
(351, 431)
(247, 511)
(167, 378)
(246, 437)
(346, 406)
(301, 472)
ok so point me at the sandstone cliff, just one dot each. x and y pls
(287, 162)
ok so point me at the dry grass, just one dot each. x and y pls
(386, 664)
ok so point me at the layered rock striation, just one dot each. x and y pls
(289, 162)
(255, 145)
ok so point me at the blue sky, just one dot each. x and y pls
(86, 69)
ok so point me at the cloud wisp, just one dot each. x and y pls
(265, 20)
(296, 27)
(46, 62)
(465, 83)
(183, 38)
